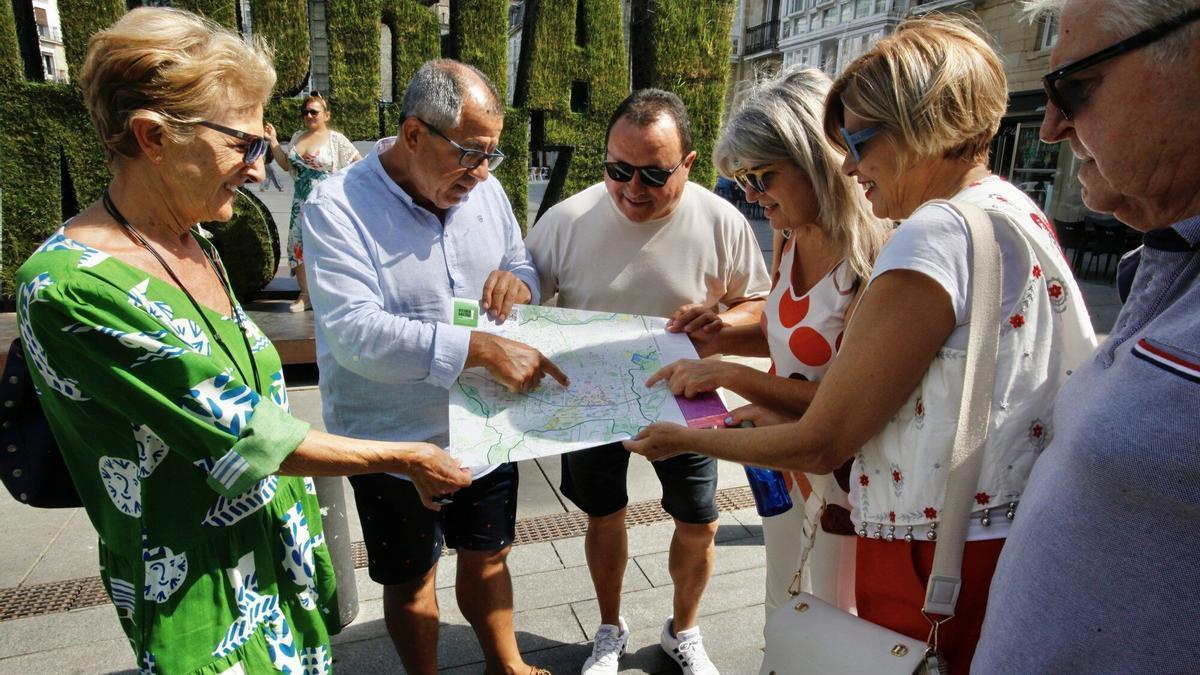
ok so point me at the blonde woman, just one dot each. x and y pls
(313, 153)
(916, 114)
(775, 148)
(168, 402)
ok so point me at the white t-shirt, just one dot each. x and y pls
(934, 241)
(595, 258)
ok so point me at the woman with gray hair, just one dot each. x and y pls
(775, 149)
(168, 402)
(916, 114)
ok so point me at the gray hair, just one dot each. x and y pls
(1123, 18)
(435, 93)
(781, 120)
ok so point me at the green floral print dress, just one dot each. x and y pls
(211, 559)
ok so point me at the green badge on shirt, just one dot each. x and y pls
(466, 313)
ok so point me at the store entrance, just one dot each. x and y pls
(1025, 161)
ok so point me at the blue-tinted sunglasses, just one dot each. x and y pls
(853, 140)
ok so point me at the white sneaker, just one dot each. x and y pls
(607, 647)
(687, 648)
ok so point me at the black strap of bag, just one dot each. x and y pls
(31, 465)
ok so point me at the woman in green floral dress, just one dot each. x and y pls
(168, 402)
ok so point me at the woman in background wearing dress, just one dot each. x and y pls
(313, 153)
(775, 148)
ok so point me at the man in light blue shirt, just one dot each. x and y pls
(389, 243)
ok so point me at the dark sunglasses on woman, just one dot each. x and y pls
(651, 175)
(256, 146)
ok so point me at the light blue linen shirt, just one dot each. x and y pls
(382, 272)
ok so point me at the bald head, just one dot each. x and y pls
(440, 89)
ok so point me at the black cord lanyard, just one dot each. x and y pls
(218, 270)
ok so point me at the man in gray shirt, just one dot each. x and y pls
(1099, 570)
(389, 244)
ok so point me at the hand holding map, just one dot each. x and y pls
(608, 357)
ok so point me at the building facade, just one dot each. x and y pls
(50, 41)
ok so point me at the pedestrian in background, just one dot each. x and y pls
(313, 153)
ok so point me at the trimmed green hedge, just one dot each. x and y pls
(553, 67)
(415, 40)
(572, 49)
(683, 46)
(353, 27)
(479, 36)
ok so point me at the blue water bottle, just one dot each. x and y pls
(769, 487)
(770, 490)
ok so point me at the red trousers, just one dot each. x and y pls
(890, 587)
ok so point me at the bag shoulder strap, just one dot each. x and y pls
(983, 341)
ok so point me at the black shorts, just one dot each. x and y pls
(404, 539)
(594, 479)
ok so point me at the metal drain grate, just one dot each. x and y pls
(64, 596)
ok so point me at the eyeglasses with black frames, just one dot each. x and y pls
(759, 179)
(256, 146)
(622, 172)
(469, 159)
(1069, 94)
(309, 112)
(854, 141)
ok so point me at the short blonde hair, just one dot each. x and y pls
(780, 119)
(936, 83)
(171, 67)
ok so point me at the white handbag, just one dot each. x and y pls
(809, 636)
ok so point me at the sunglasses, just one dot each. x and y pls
(759, 179)
(309, 112)
(856, 139)
(651, 175)
(256, 146)
(1068, 94)
(469, 159)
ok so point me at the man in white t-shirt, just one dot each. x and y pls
(646, 241)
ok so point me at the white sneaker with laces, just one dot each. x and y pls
(607, 648)
(687, 648)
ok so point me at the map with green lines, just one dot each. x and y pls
(607, 357)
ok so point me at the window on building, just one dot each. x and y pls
(1049, 32)
(862, 8)
(847, 12)
(48, 71)
(785, 31)
(882, 6)
(828, 19)
(813, 22)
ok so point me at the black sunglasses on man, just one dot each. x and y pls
(651, 175)
(1068, 94)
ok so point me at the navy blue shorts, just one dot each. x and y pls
(404, 539)
(594, 480)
